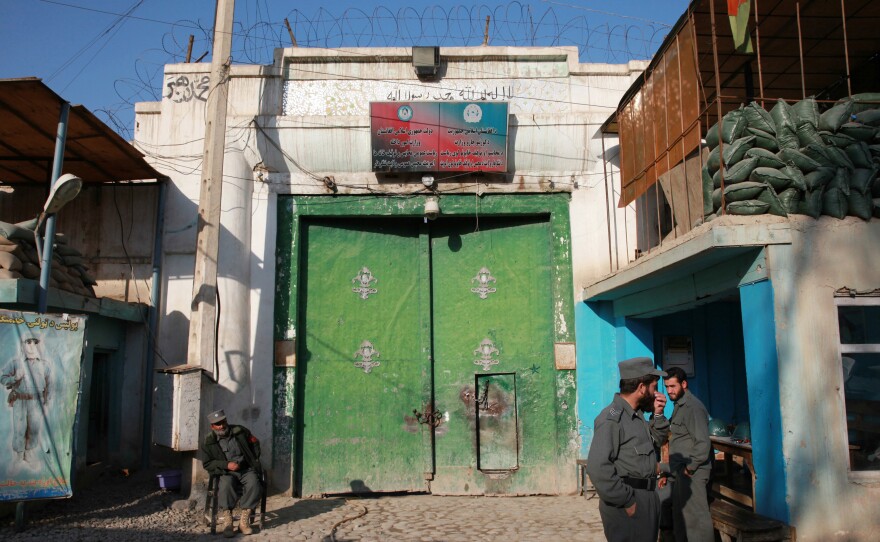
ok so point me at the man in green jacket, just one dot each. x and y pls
(233, 453)
(690, 460)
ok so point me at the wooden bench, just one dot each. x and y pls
(736, 524)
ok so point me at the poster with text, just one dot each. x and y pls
(473, 136)
(40, 375)
(438, 136)
(404, 136)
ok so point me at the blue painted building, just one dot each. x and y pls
(779, 315)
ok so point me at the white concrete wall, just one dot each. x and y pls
(557, 106)
(826, 254)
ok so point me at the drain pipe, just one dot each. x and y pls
(153, 326)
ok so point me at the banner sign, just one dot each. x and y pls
(40, 368)
(438, 136)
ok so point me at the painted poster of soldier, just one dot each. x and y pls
(40, 368)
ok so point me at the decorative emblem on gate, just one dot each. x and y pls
(486, 350)
(483, 278)
(365, 280)
(366, 352)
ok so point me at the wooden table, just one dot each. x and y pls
(730, 448)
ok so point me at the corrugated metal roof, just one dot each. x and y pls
(29, 114)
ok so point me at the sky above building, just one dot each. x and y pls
(109, 54)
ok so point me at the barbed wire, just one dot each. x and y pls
(512, 24)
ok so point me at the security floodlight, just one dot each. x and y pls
(428, 181)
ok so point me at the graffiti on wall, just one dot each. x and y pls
(183, 88)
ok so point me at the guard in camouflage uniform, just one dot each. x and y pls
(622, 462)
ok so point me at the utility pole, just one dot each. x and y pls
(202, 323)
(200, 351)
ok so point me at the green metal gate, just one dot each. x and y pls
(365, 359)
(382, 296)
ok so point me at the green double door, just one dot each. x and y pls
(426, 354)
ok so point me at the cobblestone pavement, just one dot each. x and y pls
(131, 509)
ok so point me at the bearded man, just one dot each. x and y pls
(233, 453)
(622, 462)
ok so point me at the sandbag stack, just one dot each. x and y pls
(18, 259)
(794, 160)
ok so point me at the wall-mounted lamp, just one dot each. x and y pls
(432, 208)
(428, 180)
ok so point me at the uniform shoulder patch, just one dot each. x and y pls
(614, 413)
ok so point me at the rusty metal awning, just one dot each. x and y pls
(29, 114)
(826, 49)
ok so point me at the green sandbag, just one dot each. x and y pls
(790, 199)
(816, 180)
(819, 153)
(782, 117)
(737, 173)
(707, 190)
(861, 180)
(874, 150)
(765, 158)
(863, 101)
(714, 160)
(769, 197)
(871, 117)
(747, 207)
(839, 157)
(840, 181)
(764, 140)
(859, 154)
(798, 180)
(834, 202)
(743, 191)
(837, 140)
(11, 231)
(811, 204)
(835, 117)
(716, 199)
(734, 122)
(758, 117)
(859, 205)
(787, 139)
(875, 188)
(807, 134)
(861, 132)
(806, 111)
(877, 208)
(798, 159)
(733, 153)
(774, 177)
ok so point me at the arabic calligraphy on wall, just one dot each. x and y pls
(337, 97)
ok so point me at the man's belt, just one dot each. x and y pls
(641, 483)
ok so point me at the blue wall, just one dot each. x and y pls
(719, 370)
(602, 341)
(762, 365)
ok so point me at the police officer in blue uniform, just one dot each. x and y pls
(622, 462)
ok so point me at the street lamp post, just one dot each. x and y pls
(64, 189)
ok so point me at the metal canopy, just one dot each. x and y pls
(29, 114)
